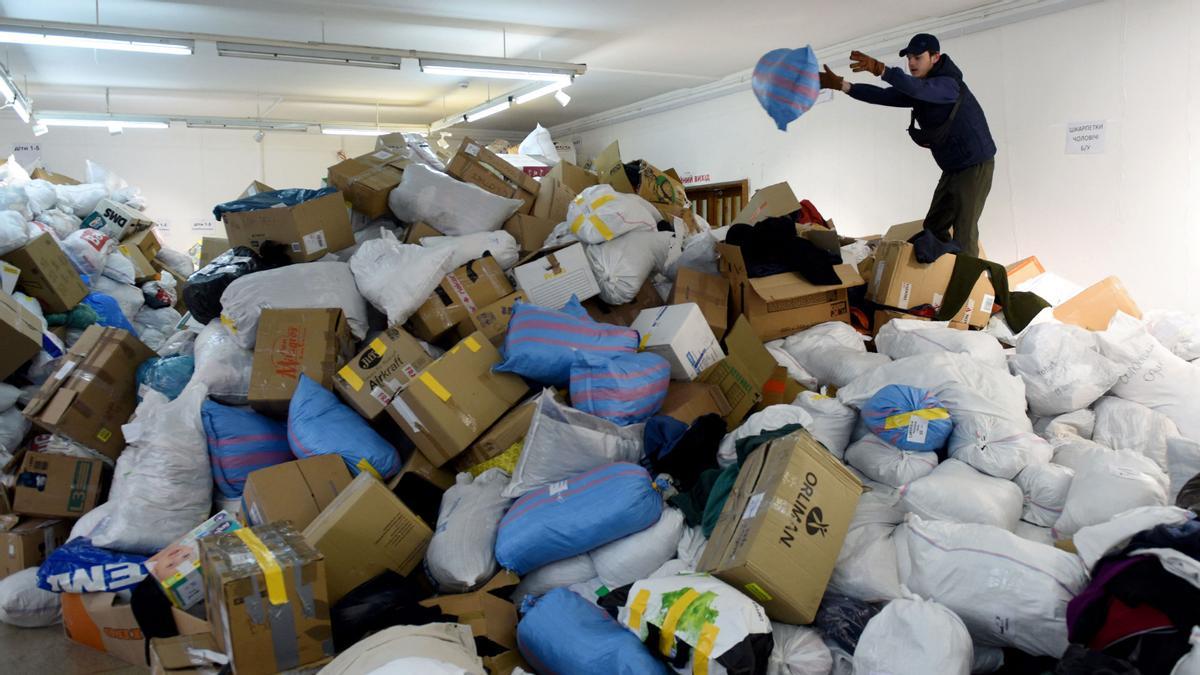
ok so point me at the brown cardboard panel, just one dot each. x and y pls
(143, 271)
(573, 177)
(623, 315)
(311, 229)
(476, 164)
(372, 378)
(181, 655)
(553, 200)
(611, 171)
(291, 342)
(365, 531)
(56, 178)
(493, 319)
(59, 486)
(709, 291)
(146, 241)
(899, 281)
(771, 201)
(531, 231)
(104, 622)
(418, 465)
(367, 180)
(28, 544)
(294, 491)
(20, 333)
(211, 247)
(1097, 305)
(486, 611)
(462, 293)
(1023, 270)
(419, 230)
(743, 372)
(687, 401)
(255, 188)
(506, 432)
(47, 274)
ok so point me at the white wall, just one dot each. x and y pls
(1132, 211)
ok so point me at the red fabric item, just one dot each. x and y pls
(809, 214)
(1124, 621)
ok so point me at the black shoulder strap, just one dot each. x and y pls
(928, 138)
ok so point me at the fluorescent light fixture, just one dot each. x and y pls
(540, 92)
(55, 37)
(102, 121)
(335, 57)
(40, 129)
(349, 131)
(245, 123)
(7, 91)
(495, 71)
(21, 109)
(12, 96)
(562, 97)
(489, 111)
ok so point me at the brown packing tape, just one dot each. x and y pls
(553, 266)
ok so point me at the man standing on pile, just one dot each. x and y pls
(948, 120)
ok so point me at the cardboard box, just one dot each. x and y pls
(186, 655)
(780, 532)
(1097, 304)
(779, 389)
(572, 177)
(743, 372)
(898, 280)
(177, 567)
(28, 544)
(9, 274)
(255, 188)
(372, 378)
(551, 276)
(211, 247)
(655, 186)
(491, 616)
(553, 200)
(455, 399)
(476, 284)
(1023, 270)
(623, 315)
(294, 491)
(493, 319)
(117, 220)
(709, 291)
(59, 486)
(532, 166)
(784, 304)
(20, 333)
(418, 465)
(977, 311)
(477, 165)
(770, 202)
(531, 231)
(365, 531)
(419, 230)
(146, 241)
(679, 334)
(143, 271)
(311, 229)
(366, 181)
(94, 390)
(105, 622)
(48, 275)
(56, 178)
(508, 431)
(266, 599)
(315, 342)
(687, 401)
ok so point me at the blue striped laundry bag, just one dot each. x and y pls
(624, 389)
(241, 441)
(786, 84)
(541, 343)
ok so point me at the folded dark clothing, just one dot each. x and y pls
(773, 247)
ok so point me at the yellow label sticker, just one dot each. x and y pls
(276, 591)
(471, 343)
(351, 378)
(666, 641)
(643, 341)
(378, 346)
(104, 434)
(436, 387)
(758, 592)
(638, 608)
(228, 323)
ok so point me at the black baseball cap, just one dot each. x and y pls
(921, 43)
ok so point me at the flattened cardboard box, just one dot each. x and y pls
(365, 531)
(94, 390)
(310, 229)
(461, 293)
(48, 275)
(1023, 270)
(769, 202)
(372, 378)
(743, 372)
(493, 319)
(185, 655)
(477, 165)
(1097, 305)
(20, 333)
(367, 180)
(211, 247)
(709, 291)
(105, 622)
(294, 491)
(315, 342)
(778, 536)
(266, 599)
(28, 544)
(59, 486)
(574, 178)
(455, 399)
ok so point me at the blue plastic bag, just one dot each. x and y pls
(109, 311)
(574, 516)
(167, 375)
(266, 200)
(79, 567)
(908, 418)
(786, 83)
(241, 441)
(563, 633)
(541, 343)
(625, 389)
(320, 424)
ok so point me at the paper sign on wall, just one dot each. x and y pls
(204, 226)
(27, 153)
(1085, 138)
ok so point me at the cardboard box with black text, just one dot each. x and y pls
(367, 180)
(291, 342)
(59, 486)
(28, 544)
(294, 491)
(310, 229)
(461, 293)
(20, 333)
(477, 165)
(117, 220)
(709, 291)
(47, 274)
(372, 378)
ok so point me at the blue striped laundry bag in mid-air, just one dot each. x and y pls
(786, 84)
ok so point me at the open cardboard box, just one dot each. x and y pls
(492, 618)
(475, 164)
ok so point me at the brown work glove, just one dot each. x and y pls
(830, 79)
(860, 62)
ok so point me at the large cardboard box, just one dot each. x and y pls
(655, 186)
(419, 230)
(59, 486)
(117, 220)
(366, 181)
(310, 229)
(1097, 304)
(143, 271)
(743, 372)
(551, 276)
(455, 399)
(770, 202)
(779, 535)
(365, 531)
(211, 247)
(266, 599)
(105, 622)
(372, 378)
(623, 315)
(679, 334)
(553, 200)
(177, 567)
(294, 491)
(493, 319)
(476, 284)
(574, 178)
(146, 241)
(508, 431)
(477, 165)
(687, 401)
(186, 655)
(20, 333)
(531, 231)
(898, 280)
(784, 304)
(315, 342)
(491, 616)
(28, 544)
(94, 390)
(255, 188)
(709, 291)
(47, 274)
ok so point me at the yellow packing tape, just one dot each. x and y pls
(601, 227)
(704, 647)
(666, 641)
(602, 201)
(276, 592)
(351, 378)
(364, 465)
(575, 224)
(434, 386)
(471, 344)
(900, 420)
(638, 608)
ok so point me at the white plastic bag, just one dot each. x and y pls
(162, 486)
(222, 364)
(887, 464)
(14, 231)
(1077, 424)
(63, 224)
(957, 493)
(89, 249)
(1035, 533)
(397, 278)
(1183, 464)
(12, 198)
(1077, 453)
(768, 419)
(867, 567)
(460, 555)
(129, 298)
(909, 337)
(628, 559)
(91, 522)
(566, 572)
(832, 422)
(24, 604)
(834, 353)
(699, 252)
(1125, 425)
(1093, 542)
(1045, 488)
(1063, 368)
(539, 144)
(448, 205)
(795, 370)
(470, 247)
(13, 428)
(1152, 375)
(1010, 592)
(79, 200)
(623, 265)
(40, 195)
(179, 263)
(600, 214)
(563, 442)
(914, 637)
(997, 446)
(119, 268)
(691, 546)
(1108, 484)
(300, 286)
(798, 650)
(1177, 331)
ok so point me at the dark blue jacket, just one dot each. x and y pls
(932, 98)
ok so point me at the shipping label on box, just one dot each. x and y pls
(177, 567)
(550, 277)
(48, 275)
(372, 378)
(291, 342)
(679, 334)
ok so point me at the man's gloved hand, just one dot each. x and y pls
(830, 79)
(860, 62)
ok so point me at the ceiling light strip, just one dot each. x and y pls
(87, 39)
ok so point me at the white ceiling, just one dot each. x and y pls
(634, 49)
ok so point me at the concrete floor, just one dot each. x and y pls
(46, 651)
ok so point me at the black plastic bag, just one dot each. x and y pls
(386, 600)
(202, 292)
(266, 200)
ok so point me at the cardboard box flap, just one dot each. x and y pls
(773, 200)
(1097, 304)
(180, 652)
(743, 346)
(611, 171)
(789, 285)
(904, 231)
(487, 611)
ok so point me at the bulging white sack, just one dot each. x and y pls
(768, 419)
(398, 278)
(1125, 425)
(1063, 368)
(1108, 484)
(129, 298)
(957, 493)
(448, 205)
(623, 265)
(79, 200)
(1035, 533)
(914, 637)
(575, 570)
(62, 223)
(299, 286)
(24, 604)
(1093, 542)
(1183, 464)
(14, 231)
(635, 557)
(1045, 488)
(89, 249)
(1152, 375)
(887, 464)
(798, 650)
(1077, 424)
(600, 214)
(867, 567)
(997, 446)
(461, 554)
(222, 364)
(794, 369)
(540, 144)
(834, 353)
(832, 422)
(900, 338)
(1177, 331)
(470, 247)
